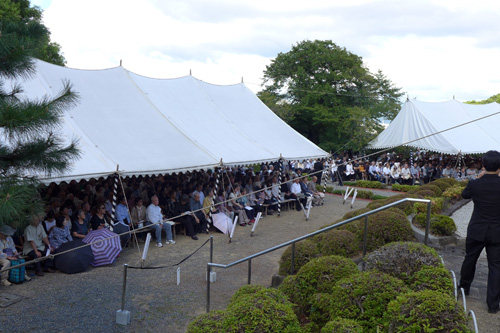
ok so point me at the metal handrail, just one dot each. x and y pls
(293, 241)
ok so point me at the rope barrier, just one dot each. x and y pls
(177, 264)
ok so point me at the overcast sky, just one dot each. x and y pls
(433, 50)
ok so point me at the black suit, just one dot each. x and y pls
(483, 231)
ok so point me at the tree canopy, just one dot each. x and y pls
(20, 11)
(328, 95)
(29, 140)
(492, 99)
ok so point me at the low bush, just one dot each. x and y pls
(420, 220)
(432, 278)
(442, 225)
(386, 227)
(369, 184)
(305, 251)
(426, 311)
(320, 276)
(264, 311)
(356, 212)
(453, 192)
(402, 259)
(337, 242)
(403, 188)
(339, 325)
(436, 189)
(436, 206)
(442, 185)
(407, 207)
(364, 297)
(207, 323)
(376, 204)
(378, 197)
(451, 181)
(247, 289)
(320, 308)
(425, 193)
(290, 289)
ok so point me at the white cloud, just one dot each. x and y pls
(432, 49)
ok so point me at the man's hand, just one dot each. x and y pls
(38, 254)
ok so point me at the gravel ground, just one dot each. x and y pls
(88, 301)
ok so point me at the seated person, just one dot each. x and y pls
(306, 192)
(245, 203)
(406, 178)
(138, 213)
(80, 228)
(195, 205)
(154, 219)
(295, 193)
(61, 233)
(237, 208)
(7, 252)
(50, 222)
(318, 197)
(36, 245)
(100, 220)
(187, 218)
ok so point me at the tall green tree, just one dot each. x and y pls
(328, 95)
(20, 11)
(492, 99)
(30, 144)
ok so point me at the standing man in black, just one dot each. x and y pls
(484, 229)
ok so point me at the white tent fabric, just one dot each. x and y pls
(418, 120)
(157, 126)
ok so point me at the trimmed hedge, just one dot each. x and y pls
(432, 278)
(402, 259)
(364, 298)
(434, 188)
(305, 251)
(386, 227)
(403, 188)
(317, 276)
(426, 311)
(442, 225)
(207, 322)
(337, 242)
(339, 325)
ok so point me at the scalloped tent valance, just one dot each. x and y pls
(419, 120)
(157, 126)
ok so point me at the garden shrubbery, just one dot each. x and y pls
(337, 242)
(338, 325)
(434, 188)
(453, 193)
(207, 322)
(364, 297)
(442, 225)
(386, 227)
(432, 278)
(402, 259)
(403, 188)
(305, 251)
(425, 311)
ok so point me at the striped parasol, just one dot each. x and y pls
(106, 251)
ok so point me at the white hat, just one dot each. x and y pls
(6, 230)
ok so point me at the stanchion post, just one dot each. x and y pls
(209, 270)
(211, 248)
(365, 236)
(249, 271)
(428, 222)
(123, 316)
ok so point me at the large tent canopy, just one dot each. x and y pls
(158, 126)
(419, 120)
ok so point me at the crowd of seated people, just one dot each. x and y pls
(389, 168)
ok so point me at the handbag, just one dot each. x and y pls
(16, 275)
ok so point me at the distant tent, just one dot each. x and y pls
(421, 119)
(157, 126)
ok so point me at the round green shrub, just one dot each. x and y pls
(434, 188)
(356, 212)
(291, 290)
(207, 322)
(432, 278)
(319, 276)
(260, 312)
(425, 193)
(426, 311)
(402, 259)
(436, 204)
(364, 297)
(451, 181)
(304, 251)
(395, 210)
(338, 242)
(320, 308)
(442, 185)
(247, 289)
(376, 204)
(341, 325)
(369, 184)
(355, 227)
(386, 227)
(407, 207)
(420, 220)
(453, 193)
(442, 225)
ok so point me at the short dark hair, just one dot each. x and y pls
(491, 160)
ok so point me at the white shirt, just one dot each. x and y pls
(295, 188)
(153, 214)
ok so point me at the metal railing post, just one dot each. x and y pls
(249, 271)
(124, 289)
(211, 248)
(293, 259)
(428, 223)
(365, 236)
(209, 270)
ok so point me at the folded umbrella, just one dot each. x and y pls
(105, 245)
(75, 261)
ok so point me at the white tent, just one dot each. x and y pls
(418, 120)
(157, 126)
